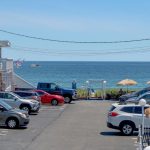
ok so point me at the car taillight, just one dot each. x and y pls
(113, 114)
(34, 97)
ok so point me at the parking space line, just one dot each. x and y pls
(4, 131)
(134, 138)
(52, 108)
(1, 134)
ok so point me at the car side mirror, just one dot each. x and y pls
(15, 99)
(1, 109)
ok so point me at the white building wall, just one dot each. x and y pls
(6, 70)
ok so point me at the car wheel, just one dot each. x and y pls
(67, 99)
(54, 102)
(127, 128)
(26, 108)
(12, 123)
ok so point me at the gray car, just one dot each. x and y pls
(12, 118)
(17, 102)
(125, 97)
(136, 100)
(28, 95)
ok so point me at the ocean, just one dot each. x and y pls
(64, 73)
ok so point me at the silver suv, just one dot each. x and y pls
(12, 118)
(17, 102)
(126, 118)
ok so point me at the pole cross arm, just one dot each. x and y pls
(5, 44)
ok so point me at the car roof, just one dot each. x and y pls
(126, 105)
(24, 91)
(146, 93)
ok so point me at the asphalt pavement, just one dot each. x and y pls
(80, 125)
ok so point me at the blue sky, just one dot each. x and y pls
(86, 20)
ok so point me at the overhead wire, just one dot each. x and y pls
(104, 49)
(74, 42)
(58, 52)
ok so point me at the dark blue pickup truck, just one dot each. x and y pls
(52, 88)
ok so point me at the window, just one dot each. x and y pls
(19, 93)
(1, 95)
(142, 92)
(112, 108)
(27, 94)
(138, 110)
(9, 96)
(53, 86)
(127, 109)
(40, 93)
(44, 85)
(147, 97)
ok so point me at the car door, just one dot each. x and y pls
(55, 89)
(43, 96)
(3, 115)
(138, 117)
(10, 99)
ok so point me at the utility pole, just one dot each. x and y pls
(3, 44)
(0, 52)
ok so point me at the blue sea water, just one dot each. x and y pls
(64, 73)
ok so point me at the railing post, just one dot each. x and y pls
(140, 145)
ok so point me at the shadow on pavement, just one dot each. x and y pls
(18, 128)
(113, 133)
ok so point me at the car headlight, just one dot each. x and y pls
(23, 115)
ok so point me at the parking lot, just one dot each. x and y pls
(77, 126)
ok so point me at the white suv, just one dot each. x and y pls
(126, 118)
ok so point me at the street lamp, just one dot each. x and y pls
(142, 103)
(104, 89)
(88, 90)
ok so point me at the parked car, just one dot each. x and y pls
(12, 118)
(49, 98)
(125, 97)
(28, 95)
(126, 118)
(136, 100)
(52, 88)
(17, 102)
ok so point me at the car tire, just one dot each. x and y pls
(26, 108)
(12, 123)
(127, 128)
(67, 99)
(54, 102)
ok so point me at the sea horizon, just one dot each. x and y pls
(64, 72)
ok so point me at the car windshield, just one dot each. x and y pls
(58, 86)
(16, 96)
(5, 105)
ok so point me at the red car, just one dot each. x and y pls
(49, 98)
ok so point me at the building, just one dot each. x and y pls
(6, 74)
(9, 81)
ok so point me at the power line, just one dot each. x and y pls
(141, 50)
(75, 42)
(103, 49)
